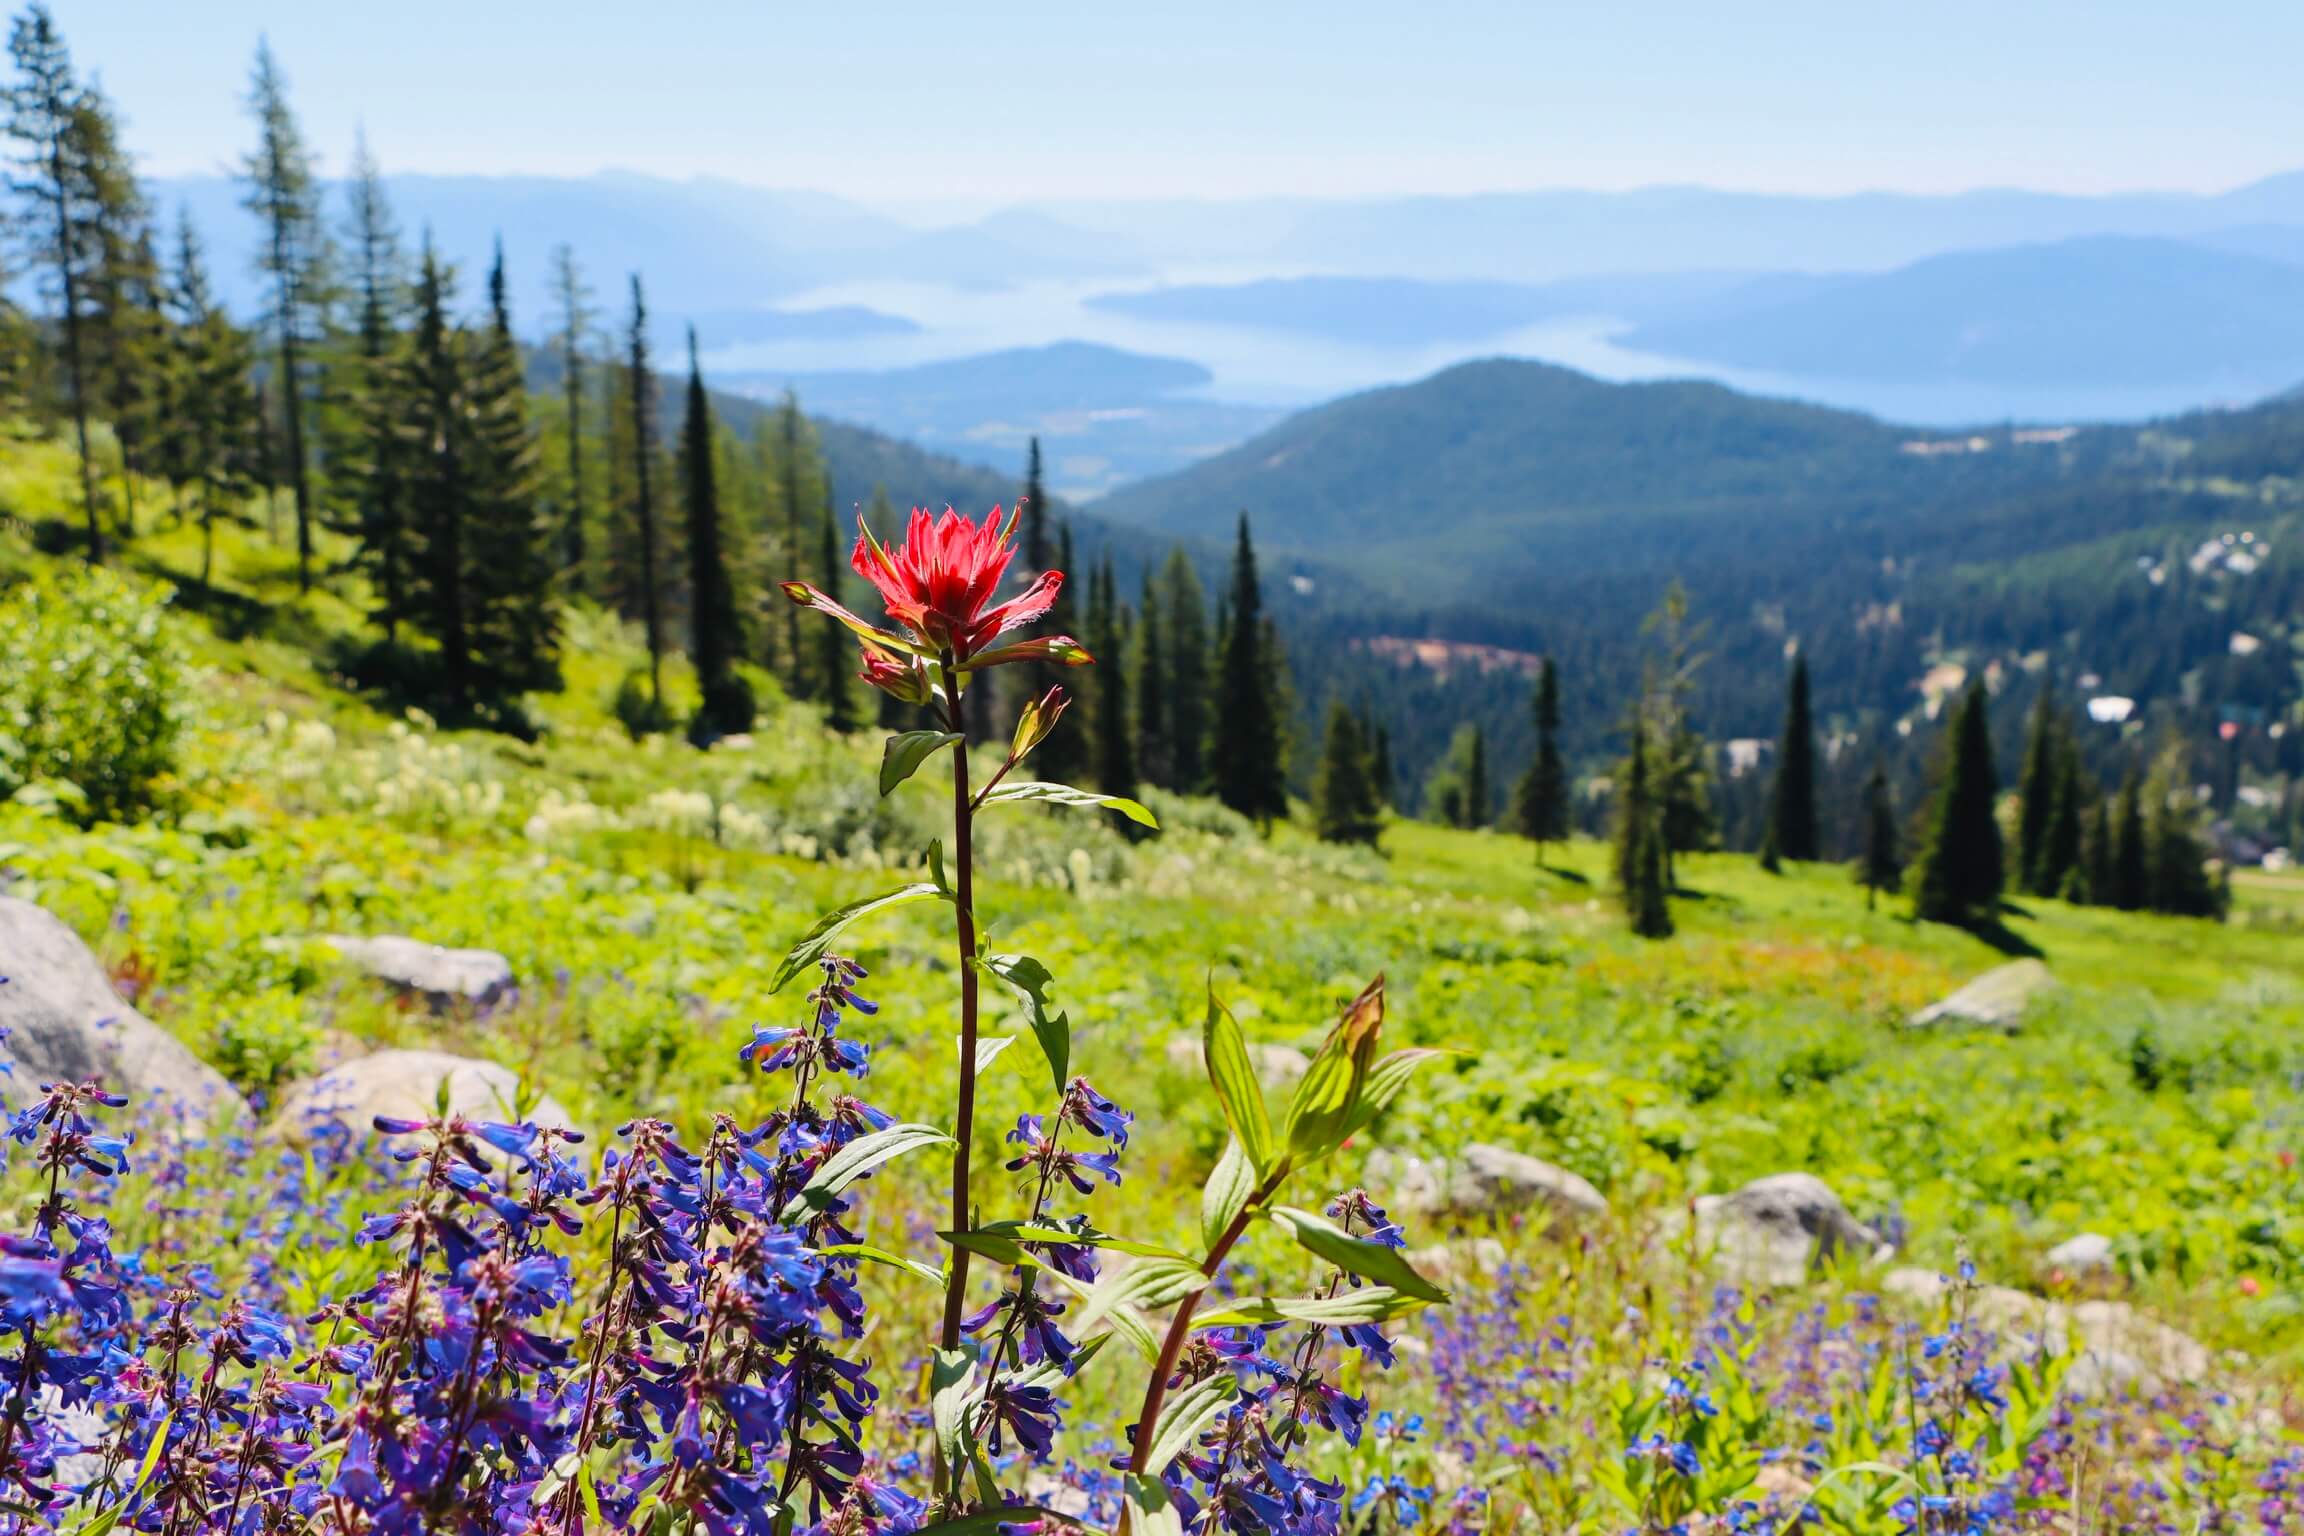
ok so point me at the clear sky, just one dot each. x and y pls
(928, 101)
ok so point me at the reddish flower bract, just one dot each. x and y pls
(937, 582)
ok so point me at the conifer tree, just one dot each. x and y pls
(575, 329)
(1792, 807)
(1037, 549)
(432, 412)
(515, 624)
(2176, 862)
(54, 176)
(1882, 867)
(715, 638)
(1184, 628)
(640, 379)
(215, 441)
(1246, 760)
(1476, 793)
(1344, 805)
(284, 193)
(836, 657)
(1641, 882)
(1151, 664)
(2131, 860)
(1108, 724)
(1541, 804)
(377, 516)
(2037, 794)
(1380, 779)
(1066, 756)
(127, 323)
(2061, 872)
(2103, 878)
(1961, 869)
(792, 445)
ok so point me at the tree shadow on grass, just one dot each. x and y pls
(2005, 939)
(1571, 876)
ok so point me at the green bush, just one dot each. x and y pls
(91, 693)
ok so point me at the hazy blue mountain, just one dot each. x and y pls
(743, 327)
(1103, 415)
(2104, 310)
(1385, 311)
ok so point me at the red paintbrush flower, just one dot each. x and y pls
(936, 585)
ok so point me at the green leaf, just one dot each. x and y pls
(1145, 1509)
(818, 941)
(104, 1520)
(936, 871)
(951, 1386)
(1357, 1255)
(587, 1486)
(1229, 1188)
(1386, 1079)
(988, 1048)
(858, 1158)
(1065, 794)
(906, 751)
(872, 1255)
(1238, 1094)
(1188, 1413)
(1091, 1237)
(1146, 1283)
(1030, 980)
(1369, 1304)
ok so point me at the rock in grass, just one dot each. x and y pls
(407, 1085)
(1277, 1066)
(1775, 1230)
(1484, 1180)
(441, 976)
(66, 1023)
(1997, 999)
(2116, 1349)
(2087, 1256)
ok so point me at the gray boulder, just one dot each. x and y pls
(66, 1023)
(440, 976)
(1995, 1000)
(1277, 1066)
(406, 1085)
(2087, 1256)
(2117, 1349)
(1774, 1230)
(1484, 1180)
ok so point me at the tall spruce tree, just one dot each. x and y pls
(640, 380)
(1882, 867)
(793, 497)
(433, 416)
(715, 636)
(1344, 806)
(125, 338)
(1641, 882)
(1066, 757)
(1151, 664)
(54, 177)
(2176, 860)
(1792, 806)
(1246, 757)
(1115, 742)
(1477, 797)
(1961, 865)
(2103, 859)
(2036, 796)
(283, 191)
(377, 514)
(575, 332)
(2061, 872)
(1037, 549)
(515, 623)
(1380, 770)
(1184, 628)
(836, 657)
(1540, 805)
(2131, 858)
(216, 442)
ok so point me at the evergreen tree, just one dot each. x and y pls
(2103, 879)
(1476, 794)
(1961, 872)
(2177, 881)
(1641, 882)
(792, 446)
(576, 317)
(715, 638)
(2130, 886)
(1541, 804)
(2061, 872)
(1066, 757)
(835, 682)
(1380, 780)
(377, 516)
(215, 439)
(515, 625)
(432, 412)
(1344, 804)
(1036, 546)
(1792, 808)
(1151, 662)
(1246, 760)
(1184, 626)
(54, 176)
(2036, 797)
(1115, 748)
(284, 193)
(1882, 867)
(640, 378)
(127, 324)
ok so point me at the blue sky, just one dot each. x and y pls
(919, 104)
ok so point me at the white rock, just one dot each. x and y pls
(441, 976)
(1774, 1230)
(2088, 1254)
(1995, 1000)
(406, 1085)
(1276, 1066)
(66, 1023)
(1484, 1180)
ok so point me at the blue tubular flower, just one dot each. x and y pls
(1406, 1500)
(1026, 1411)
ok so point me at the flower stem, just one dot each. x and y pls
(964, 937)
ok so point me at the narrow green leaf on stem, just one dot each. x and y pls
(1065, 794)
(858, 1158)
(1357, 1255)
(906, 751)
(817, 942)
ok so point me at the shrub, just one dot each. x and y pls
(91, 692)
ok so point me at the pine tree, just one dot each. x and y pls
(792, 447)
(2037, 793)
(1065, 757)
(1153, 759)
(2103, 879)
(377, 517)
(2061, 872)
(1380, 779)
(1792, 808)
(1540, 805)
(1476, 794)
(214, 438)
(715, 637)
(575, 328)
(2177, 881)
(1109, 726)
(515, 623)
(127, 325)
(1961, 871)
(640, 378)
(1641, 881)
(1247, 762)
(1344, 805)
(284, 192)
(53, 175)
(1882, 867)
(1035, 498)
(835, 682)
(433, 400)
(2131, 861)
(1184, 627)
